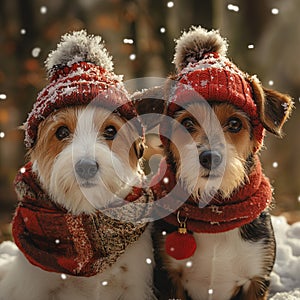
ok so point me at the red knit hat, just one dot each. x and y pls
(80, 70)
(202, 65)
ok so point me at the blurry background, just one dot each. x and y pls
(263, 35)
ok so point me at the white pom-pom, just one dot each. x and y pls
(192, 45)
(77, 47)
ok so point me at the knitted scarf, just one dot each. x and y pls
(57, 241)
(220, 215)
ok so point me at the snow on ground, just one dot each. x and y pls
(285, 278)
(293, 295)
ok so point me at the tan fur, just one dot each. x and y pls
(256, 290)
(238, 145)
(126, 146)
(48, 146)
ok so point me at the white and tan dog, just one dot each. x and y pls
(76, 237)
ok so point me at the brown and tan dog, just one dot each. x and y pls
(219, 243)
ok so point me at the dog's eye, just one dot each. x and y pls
(234, 125)
(110, 132)
(188, 124)
(62, 132)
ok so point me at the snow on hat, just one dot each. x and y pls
(202, 67)
(79, 70)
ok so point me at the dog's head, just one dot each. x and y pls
(220, 116)
(83, 138)
(85, 156)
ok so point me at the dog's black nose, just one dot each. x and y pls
(86, 168)
(210, 159)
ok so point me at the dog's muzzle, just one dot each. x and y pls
(86, 168)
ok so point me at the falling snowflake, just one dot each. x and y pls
(275, 164)
(250, 46)
(2, 135)
(148, 261)
(128, 41)
(271, 82)
(22, 31)
(189, 264)
(104, 283)
(2, 96)
(166, 180)
(170, 4)
(210, 291)
(132, 56)
(233, 7)
(275, 11)
(63, 276)
(43, 10)
(36, 51)
(162, 29)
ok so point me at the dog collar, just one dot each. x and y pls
(57, 241)
(219, 215)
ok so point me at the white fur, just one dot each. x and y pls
(217, 255)
(19, 280)
(115, 176)
(23, 281)
(79, 46)
(224, 179)
(230, 174)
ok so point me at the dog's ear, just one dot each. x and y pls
(139, 148)
(274, 108)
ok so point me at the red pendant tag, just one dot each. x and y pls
(180, 244)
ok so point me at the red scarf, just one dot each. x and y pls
(219, 215)
(57, 241)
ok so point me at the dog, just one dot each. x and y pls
(84, 159)
(219, 242)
